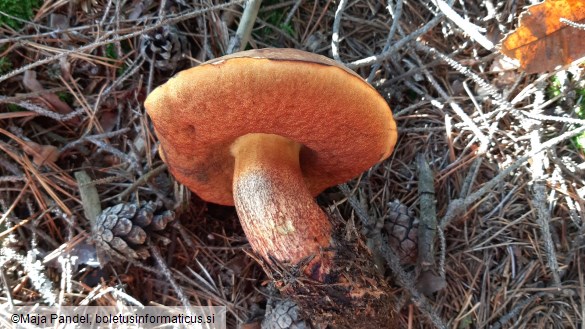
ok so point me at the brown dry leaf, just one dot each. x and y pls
(542, 42)
(505, 70)
(251, 325)
(429, 283)
(42, 154)
(32, 84)
(108, 120)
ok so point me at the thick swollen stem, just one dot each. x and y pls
(283, 223)
(278, 213)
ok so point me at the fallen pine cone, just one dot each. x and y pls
(283, 314)
(121, 231)
(402, 228)
(164, 48)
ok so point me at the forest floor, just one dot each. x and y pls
(505, 151)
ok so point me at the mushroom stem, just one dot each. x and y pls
(277, 212)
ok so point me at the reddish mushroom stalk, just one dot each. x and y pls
(276, 209)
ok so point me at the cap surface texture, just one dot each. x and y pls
(343, 123)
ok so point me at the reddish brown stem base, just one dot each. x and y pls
(355, 296)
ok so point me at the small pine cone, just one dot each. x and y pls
(159, 222)
(402, 229)
(121, 231)
(164, 47)
(283, 314)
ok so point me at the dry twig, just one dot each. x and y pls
(90, 198)
(428, 215)
(239, 41)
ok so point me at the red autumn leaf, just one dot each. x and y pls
(542, 41)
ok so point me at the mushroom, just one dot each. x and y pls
(268, 130)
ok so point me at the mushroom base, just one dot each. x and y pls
(356, 295)
(277, 212)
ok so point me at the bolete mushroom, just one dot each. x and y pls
(267, 130)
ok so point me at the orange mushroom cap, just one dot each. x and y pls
(342, 122)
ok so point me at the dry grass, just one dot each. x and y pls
(512, 253)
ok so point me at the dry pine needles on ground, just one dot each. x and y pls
(501, 146)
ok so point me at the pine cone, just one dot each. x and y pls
(164, 47)
(121, 231)
(283, 314)
(402, 229)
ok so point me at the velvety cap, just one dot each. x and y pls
(343, 123)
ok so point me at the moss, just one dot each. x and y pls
(554, 90)
(5, 65)
(276, 18)
(113, 54)
(22, 9)
(66, 97)
(14, 108)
